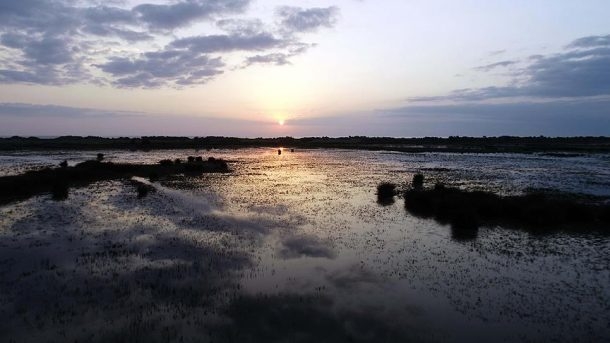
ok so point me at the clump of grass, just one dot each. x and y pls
(418, 181)
(153, 176)
(198, 159)
(59, 191)
(166, 162)
(385, 193)
(143, 190)
(64, 164)
(191, 159)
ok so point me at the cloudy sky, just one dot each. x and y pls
(321, 68)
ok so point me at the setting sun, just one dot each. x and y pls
(281, 121)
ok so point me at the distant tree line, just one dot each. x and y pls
(449, 144)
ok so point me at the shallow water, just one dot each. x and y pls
(295, 247)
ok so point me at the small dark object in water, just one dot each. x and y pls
(153, 176)
(59, 191)
(439, 186)
(385, 193)
(279, 151)
(418, 181)
(464, 225)
(291, 150)
(386, 190)
(100, 157)
(143, 190)
(64, 164)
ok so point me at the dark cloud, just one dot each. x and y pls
(224, 43)
(591, 42)
(276, 59)
(185, 12)
(154, 69)
(582, 70)
(296, 19)
(66, 41)
(579, 116)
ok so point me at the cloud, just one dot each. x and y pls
(44, 111)
(185, 12)
(276, 59)
(495, 65)
(51, 120)
(69, 41)
(154, 69)
(581, 70)
(224, 43)
(296, 19)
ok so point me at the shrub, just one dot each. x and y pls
(143, 190)
(59, 191)
(64, 164)
(100, 157)
(386, 190)
(418, 181)
(191, 159)
(166, 162)
(385, 193)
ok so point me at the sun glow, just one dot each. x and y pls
(280, 121)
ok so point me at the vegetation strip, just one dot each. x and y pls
(555, 146)
(59, 180)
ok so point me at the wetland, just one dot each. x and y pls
(299, 246)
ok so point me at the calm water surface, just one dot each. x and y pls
(295, 246)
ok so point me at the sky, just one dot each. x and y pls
(255, 68)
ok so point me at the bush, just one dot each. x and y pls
(385, 193)
(191, 159)
(59, 191)
(386, 190)
(418, 181)
(64, 164)
(100, 157)
(143, 190)
(166, 162)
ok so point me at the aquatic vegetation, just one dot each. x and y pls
(60, 190)
(58, 180)
(385, 193)
(536, 212)
(294, 248)
(418, 181)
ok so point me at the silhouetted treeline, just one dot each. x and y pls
(450, 144)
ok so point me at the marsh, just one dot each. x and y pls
(296, 247)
